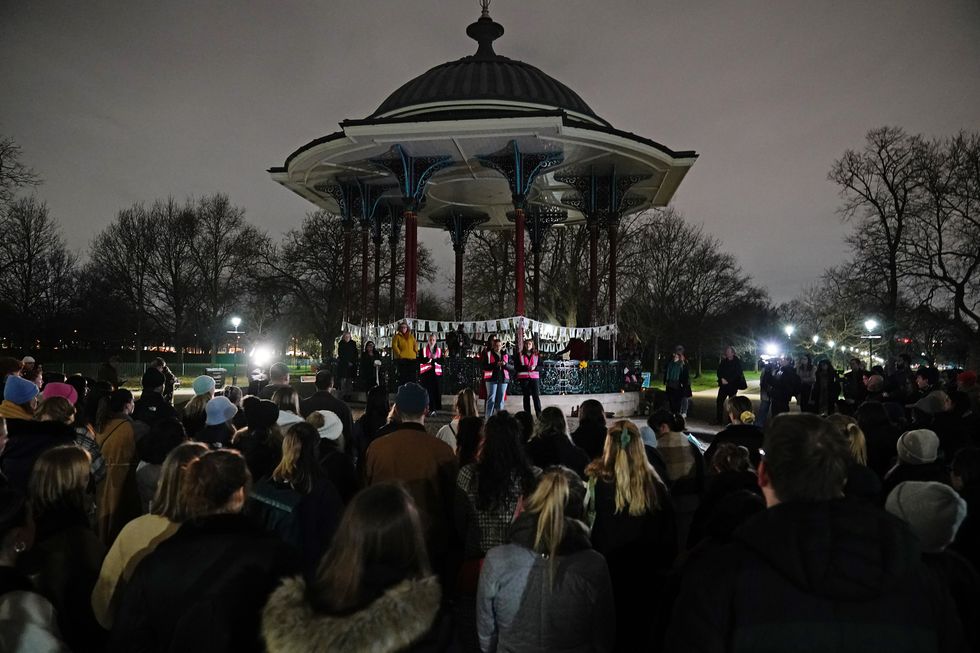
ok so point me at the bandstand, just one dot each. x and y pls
(482, 142)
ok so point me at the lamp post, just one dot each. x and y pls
(235, 323)
(870, 325)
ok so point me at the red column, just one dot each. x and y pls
(411, 263)
(537, 283)
(519, 307)
(593, 276)
(347, 237)
(377, 282)
(365, 256)
(613, 262)
(392, 280)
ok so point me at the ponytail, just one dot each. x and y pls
(111, 405)
(557, 488)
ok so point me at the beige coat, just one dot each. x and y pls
(117, 496)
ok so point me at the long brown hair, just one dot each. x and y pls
(56, 409)
(60, 479)
(167, 500)
(299, 465)
(465, 403)
(211, 480)
(286, 398)
(624, 463)
(380, 529)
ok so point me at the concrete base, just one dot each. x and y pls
(620, 404)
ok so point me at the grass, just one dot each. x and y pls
(707, 380)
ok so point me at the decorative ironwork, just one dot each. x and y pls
(347, 194)
(460, 225)
(520, 169)
(600, 198)
(393, 225)
(412, 173)
(537, 220)
(372, 197)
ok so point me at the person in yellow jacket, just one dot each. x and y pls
(404, 350)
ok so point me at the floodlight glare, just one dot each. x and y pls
(816, 339)
(261, 356)
(789, 329)
(771, 349)
(236, 322)
(831, 344)
(870, 324)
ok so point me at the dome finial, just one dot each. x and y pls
(485, 31)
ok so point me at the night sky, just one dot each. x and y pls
(121, 102)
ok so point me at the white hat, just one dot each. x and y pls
(332, 427)
(27, 359)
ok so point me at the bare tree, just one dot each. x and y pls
(173, 285)
(14, 175)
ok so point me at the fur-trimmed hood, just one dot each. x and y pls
(393, 622)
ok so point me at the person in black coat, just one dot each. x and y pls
(741, 431)
(26, 441)
(918, 460)
(370, 374)
(832, 573)
(826, 388)
(322, 399)
(203, 588)
(551, 444)
(590, 436)
(152, 406)
(786, 385)
(731, 379)
(346, 363)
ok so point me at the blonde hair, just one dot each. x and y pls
(196, 406)
(465, 403)
(855, 436)
(740, 408)
(624, 462)
(56, 409)
(167, 501)
(557, 488)
(60, 477)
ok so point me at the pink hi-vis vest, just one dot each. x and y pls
(529, 366)
(434, 355)
(491, 360)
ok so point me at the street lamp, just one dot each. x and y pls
(870, 325)
(235, 323)
(788, 330)
(816, 339)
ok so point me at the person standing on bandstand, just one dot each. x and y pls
(404, 351)
(496, 374)
(430, 369)
(528, 365)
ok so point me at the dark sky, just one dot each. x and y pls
(120, 102)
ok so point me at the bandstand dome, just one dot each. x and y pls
(476, 106)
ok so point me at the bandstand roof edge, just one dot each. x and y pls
(467, 183)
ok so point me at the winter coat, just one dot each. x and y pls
(934, 471)
(136, 540)
(28, 623)
(323, 400)
(65, 563)
(837, 575)
(151, 408)
(404, 345)
(346, 358)
(215, 436)
(523, 608)
(117, 497)
(262, 452)
(404, 618)
(367, 376)
(557, 449)
(27, 440)
(9, 410)
(340, 470)
(825, 391)
(639, 551)
(427, 467)
(203, 589)
(481, 529)
(731, 371)
(741, 435)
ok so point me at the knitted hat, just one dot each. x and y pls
(412, 399)
(19, 390)
(917, 447)
(261, 414)
(61, 390)
(933, 510)
(932, 403)
(332, 427)
(966, 379)
(153, 378)
(27, 359)
(875, 383)
(219, 410)
(202, 385)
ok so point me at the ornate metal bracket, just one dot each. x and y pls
(520, 168)
(412, 173)
(602, 198)
(538, 220)
(460, 225)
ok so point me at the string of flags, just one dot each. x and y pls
(505, 328)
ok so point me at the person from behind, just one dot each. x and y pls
(323, 399)
(278, 379)
(219, 427)
(548, 570)
(740, 431)
(375, 416)
(152, 405)
(28, 439)
(590, 436)
(469, 439)
(117, 497)
(141, 536)
(287, 400)
(918, 460)
(836, 574)
(194, 412)
(633, 527)
(376, 571)
(28, 622)
(235, 395)
(551, 444)
(20, 399)
(862, 482)
(261, 441)
(153, 449)
(67, 555)
(464, 405)
(203, 588)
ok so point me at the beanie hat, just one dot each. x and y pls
(261, 414)
(875, 383)
(19, 390)
(918, 447)
(412, 399)
(202, 385)
(219, 410)
(153, 378)
(933, 510)
(332, 427)
(61, 390)
(27, 359)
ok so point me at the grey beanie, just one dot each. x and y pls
(933, 510)
(918, 447)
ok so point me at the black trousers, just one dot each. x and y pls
(724, 392)
(430, 382)
(675, 396)
(531, 389)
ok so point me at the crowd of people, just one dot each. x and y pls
(278, 522)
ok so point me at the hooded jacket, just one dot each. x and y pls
(401, 619)
(829, 576)
(27, 440)
(519, 610)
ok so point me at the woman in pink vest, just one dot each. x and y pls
(430, 370)
(496, 374)
(527, 376)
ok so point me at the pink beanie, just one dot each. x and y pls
(60, 390)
